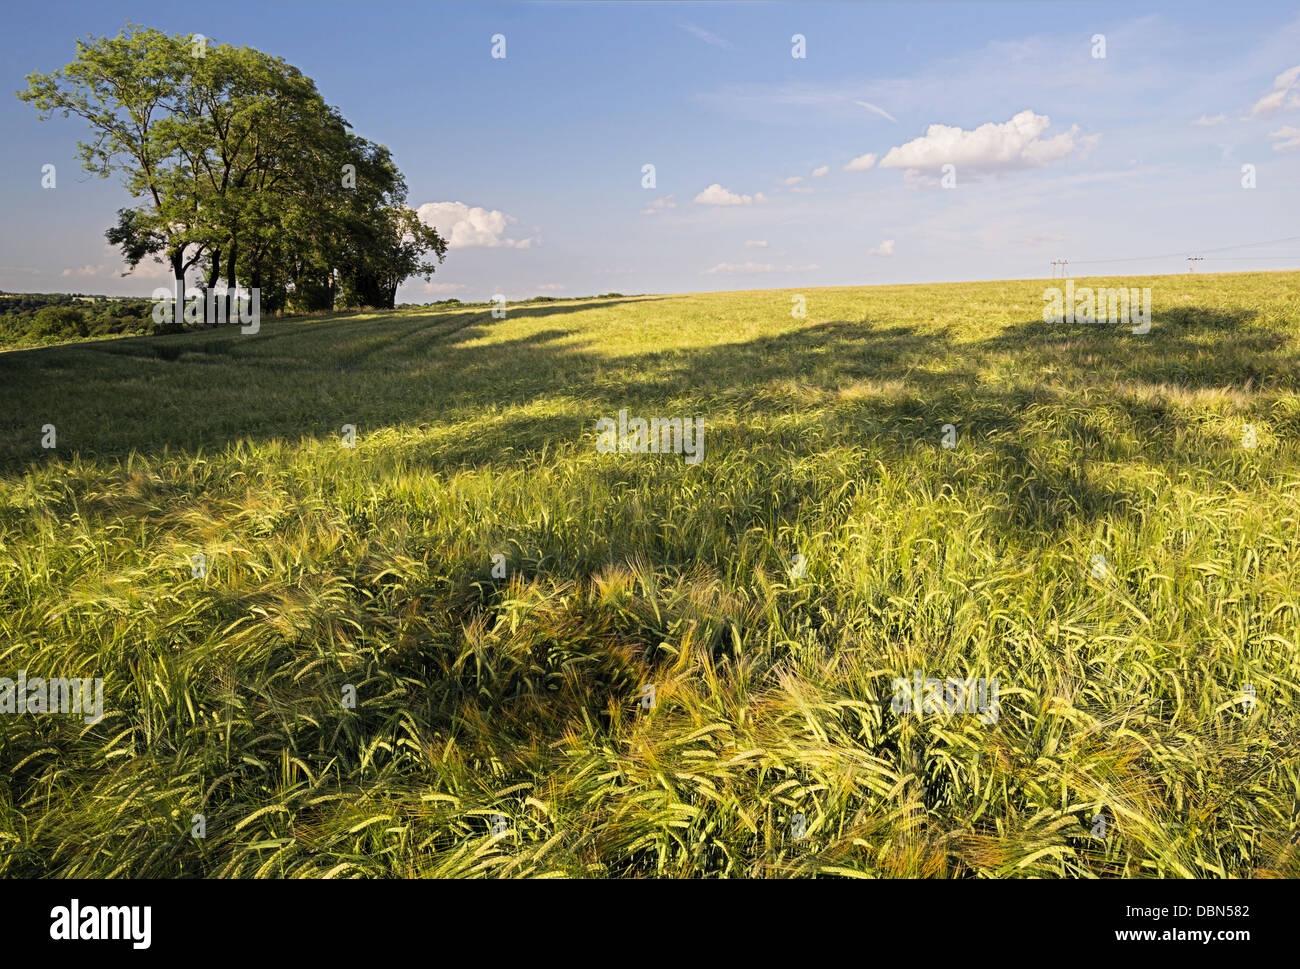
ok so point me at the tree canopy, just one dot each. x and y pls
(239, 171)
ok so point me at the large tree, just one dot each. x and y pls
(240, 169)
(130, 91)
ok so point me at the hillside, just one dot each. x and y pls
(1113, 538)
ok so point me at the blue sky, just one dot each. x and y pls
(1057, 153)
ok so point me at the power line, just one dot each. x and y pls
(1175, 255)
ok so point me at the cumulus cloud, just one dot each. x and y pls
(992, 147)
(715, 194)
(1284, 95)
(1205, 122)
(659, 205)
(444, 287)
(862, 163)
(792, 180)
(551, 287)
(464, 227)
(1290, 136)
(150, 267)
(86, 270)
(819, 172)
(736, 269)
(755, 244)
(886, 248)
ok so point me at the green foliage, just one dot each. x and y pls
(478, 696)
(239, 170)
(27, 318)
(59, 321)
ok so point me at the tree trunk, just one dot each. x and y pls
(230, 282)
(178, 291)
(214, 273)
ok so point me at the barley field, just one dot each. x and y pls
(668, 669)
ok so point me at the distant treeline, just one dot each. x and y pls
(46, 317)
(534, 299)
(32, 318)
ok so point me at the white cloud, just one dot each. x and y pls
(737, 269)
(878, 110)
(1291, 138)
(755, 244)
(705, 36)
(551, 287)
(444, 287)
(1284, 95)
(148, 268)
(715, 194)
(792, 180)
(1205, 122)
(819, 172)
(465, 228)
(886, 248)
(659, 205)
(85, 271)
(802, 269)
(992, 147)
(862, 163)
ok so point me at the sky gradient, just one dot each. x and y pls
(771, 171)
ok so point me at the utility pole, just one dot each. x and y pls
(1194, 260)
(1064, 263)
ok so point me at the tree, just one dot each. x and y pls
(59, 321)
(389, 248)
(239, 169)
(128, 89)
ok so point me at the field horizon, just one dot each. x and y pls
(446, 304)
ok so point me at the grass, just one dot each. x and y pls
(498, 728)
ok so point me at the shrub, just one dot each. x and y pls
(59, 321)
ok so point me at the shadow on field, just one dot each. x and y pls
(852, 382)
(322, 331)
(205, 389)
(1194, 347)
